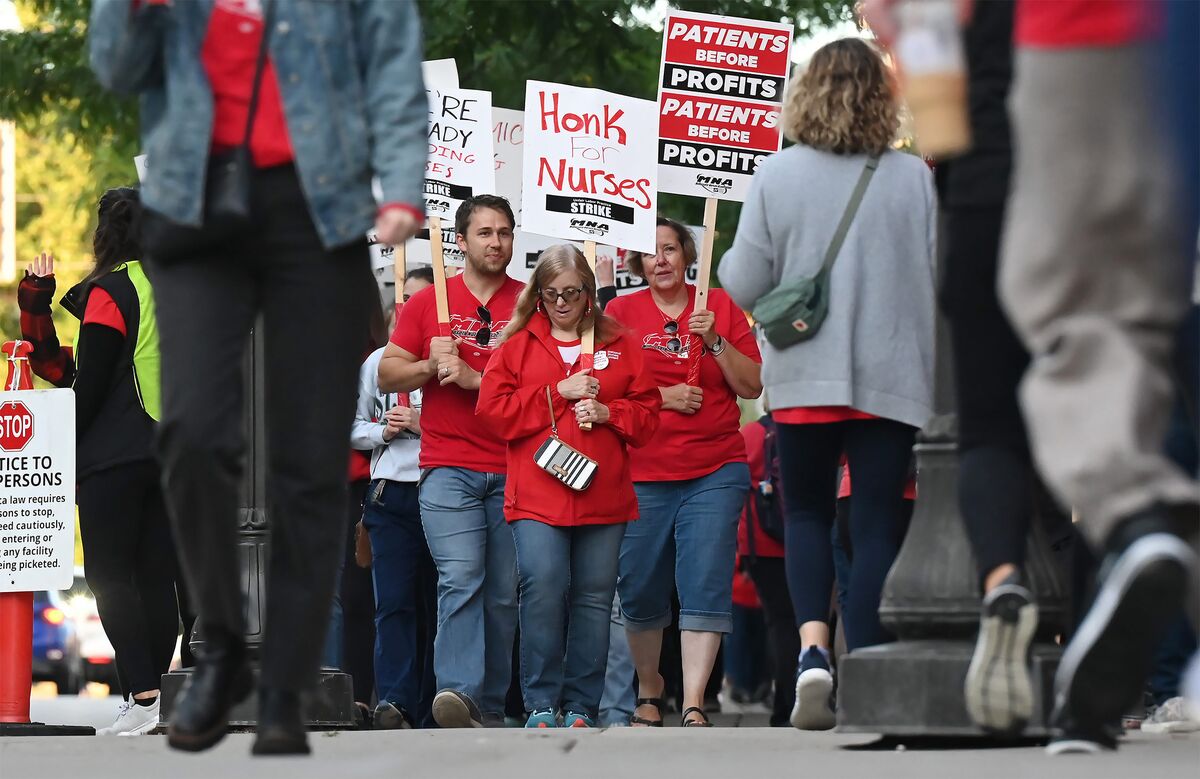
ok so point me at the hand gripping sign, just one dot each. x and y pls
(589, 171)
(721, 88)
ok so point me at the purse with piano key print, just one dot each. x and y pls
(565, 463)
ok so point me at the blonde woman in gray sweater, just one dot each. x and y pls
(863, 384)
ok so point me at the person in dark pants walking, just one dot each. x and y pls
(127, 544)
(341, 101)
(763, 554)
(402, 570)
(999, 491)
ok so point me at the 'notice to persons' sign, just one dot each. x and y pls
(37, 490)
(721, 89)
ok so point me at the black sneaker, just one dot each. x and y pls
(453, 709)
(388, 716)
(1144, 585)
(999, 687)
(1074, 739)
(814, 693)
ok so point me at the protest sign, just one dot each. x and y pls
(508, 137)
(442, 74)
(721, 88)
(461, 159)
(529, 246)
(37, 490)
(590, 172)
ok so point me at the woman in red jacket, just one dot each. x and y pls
(567, 541)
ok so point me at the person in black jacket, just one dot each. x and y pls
(127, 542)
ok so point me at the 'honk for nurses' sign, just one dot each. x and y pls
(589, 171)
(721, 89)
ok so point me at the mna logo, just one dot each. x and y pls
(434, 204)
(717, 186)
(589, 227)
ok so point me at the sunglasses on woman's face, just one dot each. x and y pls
(671, 328)
(550, 295)
(484, 336)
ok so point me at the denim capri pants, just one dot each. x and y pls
(686, 537)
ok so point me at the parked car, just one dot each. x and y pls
(56, 656)
(95, 649)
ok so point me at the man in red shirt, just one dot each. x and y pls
(1094, 277)
(462, 465)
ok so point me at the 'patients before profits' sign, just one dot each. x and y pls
(721, 89)
(37, 490)
(589, 172)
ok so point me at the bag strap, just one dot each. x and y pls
(550, 403)
(259, 65)
(843, 227)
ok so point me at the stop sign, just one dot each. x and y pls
(16, 426)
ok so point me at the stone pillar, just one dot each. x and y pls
(914, 687)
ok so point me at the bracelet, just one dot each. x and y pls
(718, 347)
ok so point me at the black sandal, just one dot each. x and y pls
(703, 722)
(657, 703)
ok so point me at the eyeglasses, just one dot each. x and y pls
(550, 295)
(671, 328)
(484, 336)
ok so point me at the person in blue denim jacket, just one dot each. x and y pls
(339, 102)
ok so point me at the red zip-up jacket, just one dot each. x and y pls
(512, 399)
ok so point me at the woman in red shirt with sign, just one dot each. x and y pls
(567, 539)
(691, 481)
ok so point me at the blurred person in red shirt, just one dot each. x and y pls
(1095, 274)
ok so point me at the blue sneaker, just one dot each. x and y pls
(574, 719)
(542, 718)
(814, 692)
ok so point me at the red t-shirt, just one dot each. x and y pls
(818, 415)
(688, 446)
(1055, 24)
(450, 435)
(229, 54)
(102, 310)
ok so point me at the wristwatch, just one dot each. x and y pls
(717, 347)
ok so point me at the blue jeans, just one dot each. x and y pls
(568, 576)
(463, 515)
(686, 539)
(617, 703)
(405, 606)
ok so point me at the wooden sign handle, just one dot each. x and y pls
(706, 250)
(587, 349)
(439, 275)
(400, 269)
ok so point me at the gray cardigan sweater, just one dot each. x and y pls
(875, 350)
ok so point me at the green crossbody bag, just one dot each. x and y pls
(793, 313)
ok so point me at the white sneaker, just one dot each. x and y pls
(132, 720)
(1172, 716)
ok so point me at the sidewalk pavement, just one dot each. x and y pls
(675, 753)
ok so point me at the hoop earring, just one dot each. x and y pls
(588, 310)
(538, 308)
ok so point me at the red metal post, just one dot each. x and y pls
(16, 608)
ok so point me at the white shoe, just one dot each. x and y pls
(133, 720)
(1173, 716)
